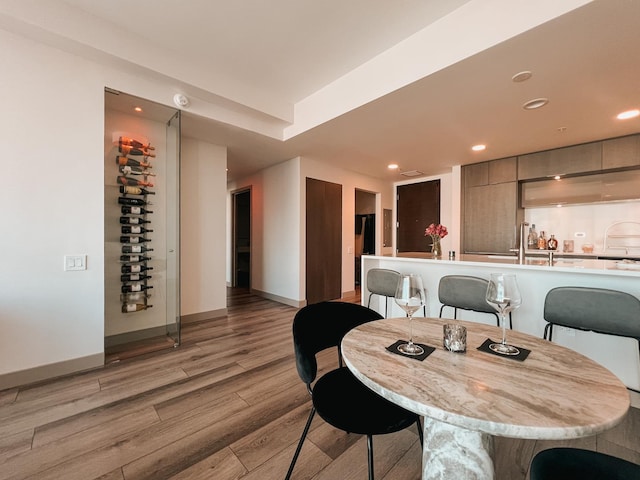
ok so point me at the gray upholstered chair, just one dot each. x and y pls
(466, 293)
(578, 464)
(383, 282)
(592, 309)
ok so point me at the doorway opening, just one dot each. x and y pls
(241, 239)
(365, 229)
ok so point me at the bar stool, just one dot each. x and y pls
(579, 464)
(383, 282)
(596, 310)
(466, 293)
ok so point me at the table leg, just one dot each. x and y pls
(455, 453)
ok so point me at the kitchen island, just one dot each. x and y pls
(535, 278)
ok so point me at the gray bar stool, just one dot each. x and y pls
(466, 293)
(383, 282)
(597, 310)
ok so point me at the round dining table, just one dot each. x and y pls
(468, 398)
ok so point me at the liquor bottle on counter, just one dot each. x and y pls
(552, 244)
(127, 170)
(134, 307)
(135, 229)
(133, 220)
(133, 277)
(120, 160)
(542, 241)
(532, 239)
(133, 182)
(129, 239)
(129, 150)
(134, 258)
(129, 210)
(134, 268)
(135, 287)
(131, 201)
(135, 249)
(135, 190)
(134, 143)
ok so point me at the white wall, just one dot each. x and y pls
(52, 204)
(203, 185)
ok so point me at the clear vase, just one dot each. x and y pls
(436, 248)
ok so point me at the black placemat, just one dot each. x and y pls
(524, 353)
(393, 348)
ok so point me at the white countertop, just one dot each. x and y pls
(573, 265)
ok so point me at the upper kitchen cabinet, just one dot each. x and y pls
(562, 161)
(492, 172)
(490, 206)
(621, 152)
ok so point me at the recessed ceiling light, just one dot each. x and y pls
(478, 148)
(535, 103)
(138, 109)
(628, 114)
(522, 76)
(392, 166)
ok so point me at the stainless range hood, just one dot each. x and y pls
(618, 186)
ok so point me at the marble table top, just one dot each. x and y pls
(555, 393)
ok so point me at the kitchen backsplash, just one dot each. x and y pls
(592, 220)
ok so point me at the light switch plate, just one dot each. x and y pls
(75, 262)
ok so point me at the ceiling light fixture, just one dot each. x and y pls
(535, 103)
(138, 109)
(392, 166)
(628, 114)
(478, 148)
(522, 76)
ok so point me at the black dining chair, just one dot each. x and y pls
(577, 464)
(465, 292)
(338, 397)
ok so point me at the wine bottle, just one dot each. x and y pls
(120, 160)
(135, 249)
(129, 150)
(127, 170)
(134, 210)
(138, 268)
(134, 182)
(129, 239)
(134, 143)
(135, 287)
(134, 258)
(134, 297)
(133, 277)
(135, 229)
(133, 220)
(135, 190)
(134, 307)
(131, 201)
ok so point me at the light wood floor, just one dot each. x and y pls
(226, 405)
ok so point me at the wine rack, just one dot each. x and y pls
(134, 178)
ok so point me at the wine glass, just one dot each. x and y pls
(410, 297)
(504, 296)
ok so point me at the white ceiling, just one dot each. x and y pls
(362, 83)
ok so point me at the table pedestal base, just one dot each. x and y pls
(454, 452)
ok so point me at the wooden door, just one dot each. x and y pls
(323, 241)
(418, 205)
